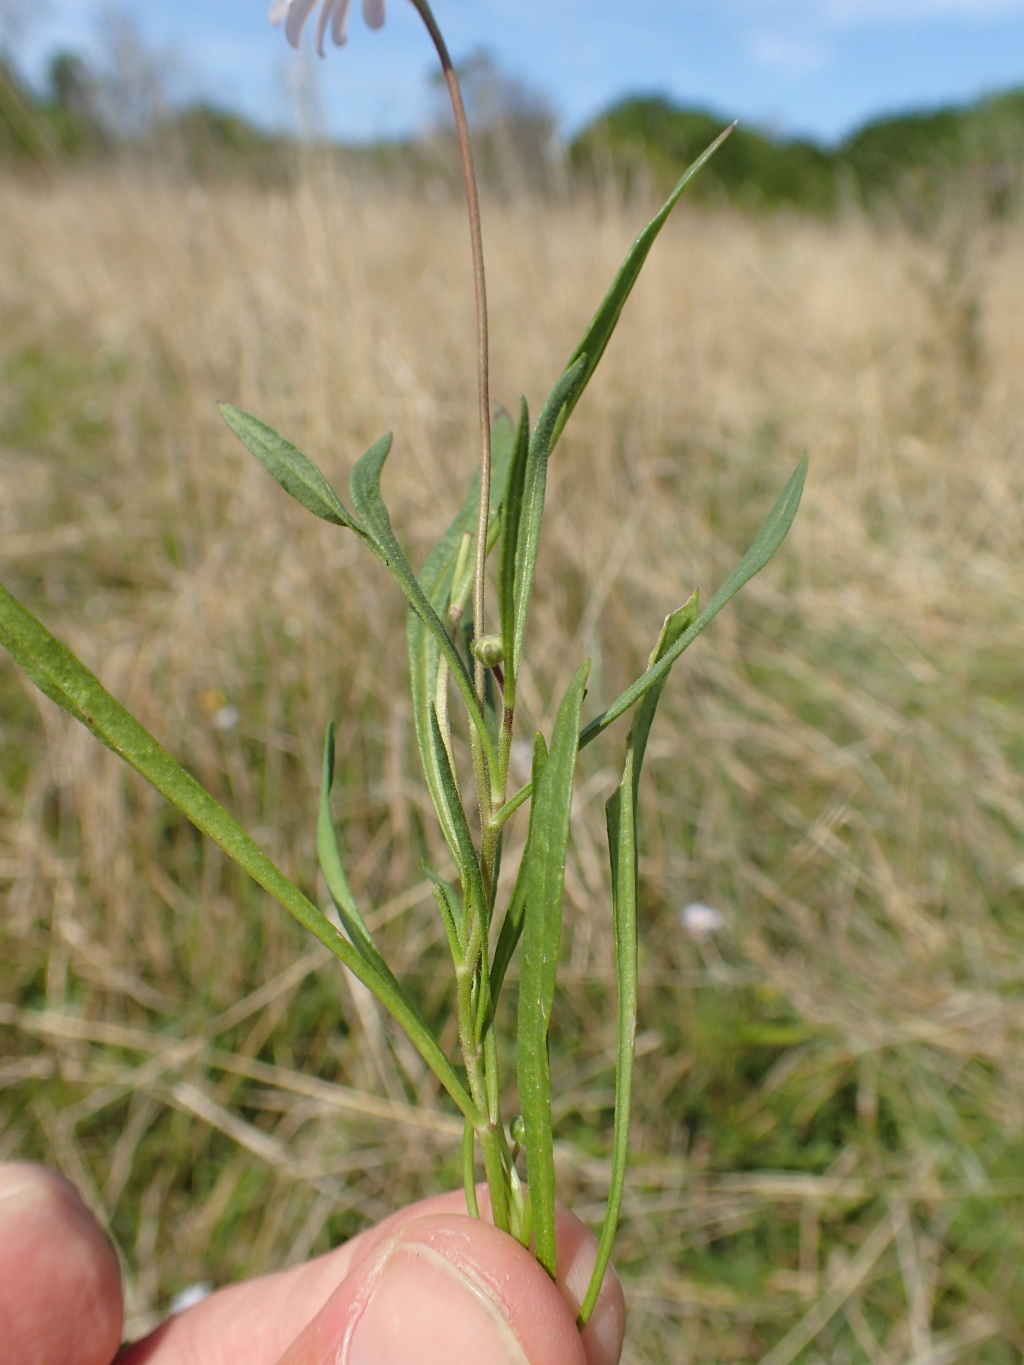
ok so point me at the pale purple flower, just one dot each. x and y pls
(333, 15)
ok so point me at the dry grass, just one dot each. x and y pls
(830, 1116)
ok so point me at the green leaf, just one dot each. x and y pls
(425, 659)
(674, 626)
(364, 486)
(542, 932)
(435, 576)
(447, 902)
(435, 579)
(768, 540)
(527, 543)
(603, 323)
(329, 858)
(620, 812)
(56, 671)
(466, 854)
(512, 515)
(295, 472)
(513, 803)
(469, 1169)
(512, 925)
(504, 433)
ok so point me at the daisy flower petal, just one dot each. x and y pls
(293, 14)
(333, 17)
(340, 23)
(336, 10)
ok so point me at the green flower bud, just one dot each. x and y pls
(488, 650)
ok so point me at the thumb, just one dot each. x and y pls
(443, 1288)
(60, 1284)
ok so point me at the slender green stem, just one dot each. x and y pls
(468, 1172)
(480, 1059)
(480, 286)
(518, 1221)
(489, 1131)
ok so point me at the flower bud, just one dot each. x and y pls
(488, 649)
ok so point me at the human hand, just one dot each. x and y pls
(429, 1284)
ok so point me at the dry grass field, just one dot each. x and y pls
(830, 1092)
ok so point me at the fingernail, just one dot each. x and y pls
(426, 1308)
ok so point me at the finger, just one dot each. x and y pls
(259, 1320)
(444, 1288)
(60, 1283)
(577, 1251)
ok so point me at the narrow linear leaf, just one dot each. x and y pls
(535, 473)
(329, 858)
(452, 917)
(435, 578)
(509, 545)
(466, 854)
(503, 444)
(621, 816)
(771, 535)
(512, 925)
(768, 540)
(295, 472)
(672, 629)
(542, 934)
(364, 486)
(57, 672)
(602, 325)
(469, 1169)
(441, 560)
(620, 813)
(427, 660)
(513, 803)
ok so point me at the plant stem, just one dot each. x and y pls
(489, 1131)
(478, 1052)
(483, 366)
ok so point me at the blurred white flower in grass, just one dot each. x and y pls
(701, 921)
(333, 15)
(225, 718)
(188, 1298)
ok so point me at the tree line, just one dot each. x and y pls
(914, 164)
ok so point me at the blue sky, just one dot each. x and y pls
(797, 67)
